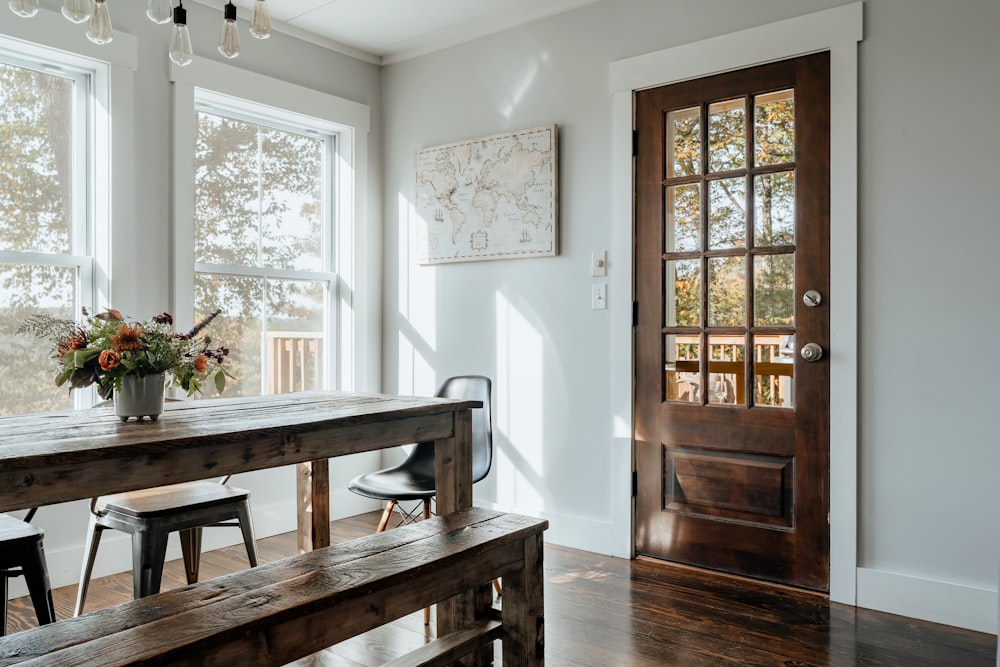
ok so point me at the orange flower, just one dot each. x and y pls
(127, 339)
(109, 359)
(200, 363)
(77, 340)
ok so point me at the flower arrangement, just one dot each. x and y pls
(105, 347)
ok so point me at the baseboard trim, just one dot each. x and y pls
(959, 605)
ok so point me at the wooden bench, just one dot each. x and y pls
(283, 611)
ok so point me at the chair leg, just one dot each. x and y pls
(149, 549)
(191, 552)
(36, 575)
(3, 589)
(496, 587)
(246, 526)
(94, 531)
(386, 515)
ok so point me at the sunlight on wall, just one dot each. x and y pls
(520, 392)
(520, 87)
(417, 291)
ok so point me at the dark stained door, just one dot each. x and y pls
(732, 241)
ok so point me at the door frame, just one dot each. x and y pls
(838, 31)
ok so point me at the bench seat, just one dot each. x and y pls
(280, 612)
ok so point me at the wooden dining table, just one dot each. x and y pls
(48, 458)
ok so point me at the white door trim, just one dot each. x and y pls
(836, 30)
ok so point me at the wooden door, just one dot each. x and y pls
(732, 239)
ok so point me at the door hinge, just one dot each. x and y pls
(635, 313)
(635, 142)
(635, 483)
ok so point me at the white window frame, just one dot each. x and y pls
(102, 213)
(208, 82)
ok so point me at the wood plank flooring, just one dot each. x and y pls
(611, 612)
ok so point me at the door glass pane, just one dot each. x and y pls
(727, 135)
(29, 376)
(726, 359)
(773, 277)
(294, 345)
(683, 218)
(36, 172)
(684, 142)
(238, 326)
(727, 213)
(683, 285)
(774, 209)
(683, 373)
(291, 202)
(726, 291)
(774, 368)
(774, 128)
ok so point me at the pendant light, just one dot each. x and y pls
(229, 40)
(160, 11)
(260, 20)
(77, 11)
(24, 8)
(180, 41)
(99, 26)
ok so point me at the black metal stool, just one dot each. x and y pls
(21, 553)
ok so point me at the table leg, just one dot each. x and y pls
(313, 491)
(453, 481)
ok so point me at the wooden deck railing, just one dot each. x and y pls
(294, 361)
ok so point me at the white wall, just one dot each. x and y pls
(929, 539)
(282, 57)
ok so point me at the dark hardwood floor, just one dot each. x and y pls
(610, 612)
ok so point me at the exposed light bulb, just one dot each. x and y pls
(180, 41)
(260, 20)
(77, 11)
(99, 25)
(24, 8)
(229, 40)
(160, 11)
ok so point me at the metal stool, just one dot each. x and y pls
(21, 553)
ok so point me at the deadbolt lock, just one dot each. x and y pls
(812, 298)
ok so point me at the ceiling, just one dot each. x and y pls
(386, 31)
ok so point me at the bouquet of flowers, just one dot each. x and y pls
(104, 348)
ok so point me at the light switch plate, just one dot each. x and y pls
(599, 296)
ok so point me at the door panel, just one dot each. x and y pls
(732, 228)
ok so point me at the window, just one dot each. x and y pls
(46, 239)
(263, 250)
(270, 226)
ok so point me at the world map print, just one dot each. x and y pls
(488, 198)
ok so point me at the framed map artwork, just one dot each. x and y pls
(488, 198)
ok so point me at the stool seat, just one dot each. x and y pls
(21, 547)
(163, 500)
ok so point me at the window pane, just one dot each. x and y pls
(238, 327)
(774, 368)
(727, 135)
(291, 200)
(683, 302)
(684, 142)
(774, 128)
(773, 278)
(683, 376)
(726, 369)
(226, 192)
(294, 345)
(27, 363)
(774, 209)
(726, 292)
(683, 218)
(36, 169)
(727, 213)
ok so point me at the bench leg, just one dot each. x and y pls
(3, 589)
(524, 610)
